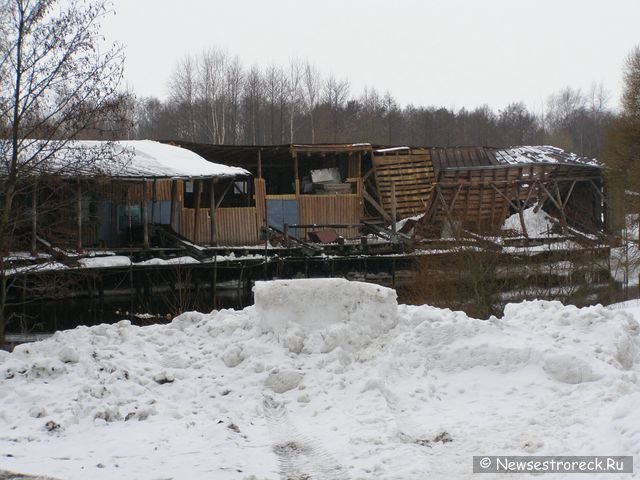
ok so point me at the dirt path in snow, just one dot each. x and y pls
(6, 475)
(299, 457)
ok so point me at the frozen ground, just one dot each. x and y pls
(323, 379)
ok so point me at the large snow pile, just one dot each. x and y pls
(226, 396)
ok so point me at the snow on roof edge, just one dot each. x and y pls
(134, 159)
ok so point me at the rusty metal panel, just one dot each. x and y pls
(234, 226)
(331, 209)
(237, 226)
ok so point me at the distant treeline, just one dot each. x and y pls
(215, 99)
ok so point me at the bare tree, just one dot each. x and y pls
(335, 95)
(311, 94)
(56, 81)
(182, 87)
(294, 84)
(211, 89)
(253, 99)
(234, 84)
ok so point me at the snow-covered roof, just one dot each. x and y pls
(122, 159)
(445, 158)
(391, 149)
(541, 154)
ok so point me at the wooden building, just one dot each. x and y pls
(468, 188)
(302, 185)
(110, 194)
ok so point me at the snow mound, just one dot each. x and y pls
(318, 315)
(277, 391)
(538, 224)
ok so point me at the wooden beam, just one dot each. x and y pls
(563, 215)
(129, 219)
(172, 213)
(212, 214)
(448, 209)
(296, 174)
(145, 216)
(367, 175)
(566, 199)
(154, 199)
(505, 197)
(225, 191)
(34, 218)
(542, 198)
(394, 207)
(558, 203)
(375, 205)
(259, 163)
(521, 214)
(79, 213)
(196, 211)
(602, 195)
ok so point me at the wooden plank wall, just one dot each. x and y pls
(413, 177)
(478, 205)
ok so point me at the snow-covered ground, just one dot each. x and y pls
(323, 379)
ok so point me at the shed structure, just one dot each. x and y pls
(109, 194)
(309, 187)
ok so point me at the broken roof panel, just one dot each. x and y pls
(474, 157)
(541, 154)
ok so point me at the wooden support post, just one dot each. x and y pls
(34, 218)
(448, 209)
(296, 178)
(224, 193)
(172, 213)
(557, 201)
(494, 200)
(196, 211)
(566, 199)
(560, 204)
(145, 216)
(212, 214)
(479, 210)
(259, 163)
(129, 220)
(214, 284)
(394, 207)
(154, 199)
(79, 214)
(523, 224)
(375, 205)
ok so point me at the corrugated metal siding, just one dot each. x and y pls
(331, 209)
(234, 226)
(237, 226)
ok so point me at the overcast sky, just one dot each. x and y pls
(451, 53)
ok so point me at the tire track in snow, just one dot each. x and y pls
(299, 457)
